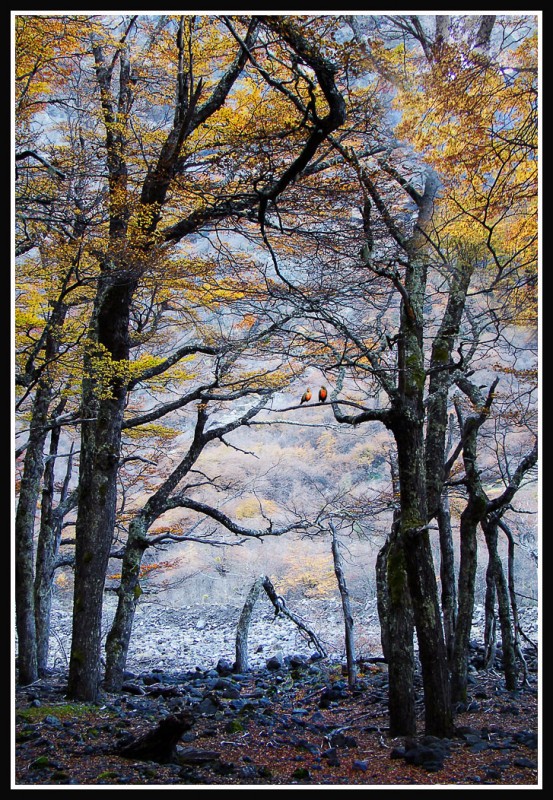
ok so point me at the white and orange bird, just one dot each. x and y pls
(306, 396)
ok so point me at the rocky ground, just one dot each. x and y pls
(290, 720)
(185, 636)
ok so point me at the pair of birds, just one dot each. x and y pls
(306, 397)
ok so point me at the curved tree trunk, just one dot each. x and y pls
(129, 591)
(280, 608)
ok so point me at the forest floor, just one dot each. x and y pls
(299, 724)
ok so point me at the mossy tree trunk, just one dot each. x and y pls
(395, 613)
(102, 412)
(408, 426)
(417, 552)
(401, 663)
(128, 593)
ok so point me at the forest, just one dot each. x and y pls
(276, 295)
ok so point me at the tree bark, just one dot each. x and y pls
(242, 629)
(441, 380)
(49, 537)
(382, 598)
(395, 613)
(407, 423)
(473, 513)
(447, 574)
(346, 606)
(423, 589)
(29, 491)
(507, 640)
(99, 459)
(490, 638)
(470, 519)
(128, 592)
(401, 664)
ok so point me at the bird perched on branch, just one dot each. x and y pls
(306, 397)
(323, 394)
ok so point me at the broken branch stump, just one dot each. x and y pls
(241, 664)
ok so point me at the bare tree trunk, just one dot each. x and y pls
(382, 598)
(467, 576)
(512, 594)
(490, 638)
(24, 539)
(507, 639)
(447, 574)
(346, 606)
(241, 664)
(51, 521)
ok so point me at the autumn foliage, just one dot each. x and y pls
(215, 216)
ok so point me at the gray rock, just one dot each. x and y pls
(275, 662)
